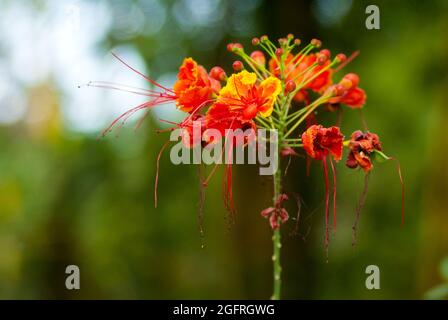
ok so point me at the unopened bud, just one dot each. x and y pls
(282, 41)
(255, 41)
(290, 86)
(258, 57)
(290, 36)
(316, 43)
(297, 42)
(218, 73)
(340, 57)
(264, 38)
(233, 47)
(279, 52)
(321, 59)
(237, 65)
(353, 78)
(325, 52)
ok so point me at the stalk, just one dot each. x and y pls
(276, 240)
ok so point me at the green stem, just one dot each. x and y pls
(276, 240)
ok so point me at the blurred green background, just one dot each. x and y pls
(67, 197)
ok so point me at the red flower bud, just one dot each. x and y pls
(255, 41)
(237, 65)
(325, 52)
(353, 78)
(340, 57)
(233, 47)
(218, 73)
(290, 86)
(297, 42)
(279, 52)
(321, 59)
(258, 57)
(290, 36)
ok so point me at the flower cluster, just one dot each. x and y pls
(279, 87)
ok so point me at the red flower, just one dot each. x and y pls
(276, 214)
(319, 142)
(362, 145)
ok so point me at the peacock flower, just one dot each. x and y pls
(319, 142)
(194, 86)
(362, 145)
(241, 100)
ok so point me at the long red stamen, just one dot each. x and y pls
(156, 181)
(327, 204)
(333, 171)
(141, 74)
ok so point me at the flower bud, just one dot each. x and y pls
(316, 43)
(353, 78)
(290, 86)
(279, 52)
(264, 38)
(321, 59)
(297, 42)
(237, 65)
(282, 41)
(258, 57)
(234, 47)
(218, 73)
(325, 52)
(290, 36)
(255, 41)
(340, 57)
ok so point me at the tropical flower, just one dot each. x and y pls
(276, 214)
(320, 142)
(362, 145)
(241, 100)
(194, 86)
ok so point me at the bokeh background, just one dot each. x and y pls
(67, 197)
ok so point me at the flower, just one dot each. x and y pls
(362, 145)
(241, 100)
(194, 86)
(319, 142)
(276, 214)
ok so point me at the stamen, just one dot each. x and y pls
(141, 74)
(156, 181)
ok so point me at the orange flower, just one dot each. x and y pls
(319, 142)
(194, 87)
(362, 145)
